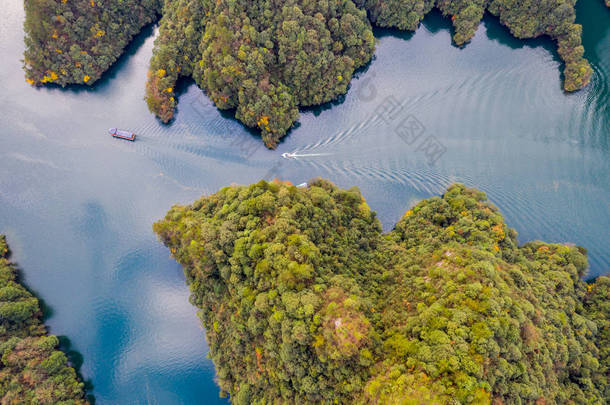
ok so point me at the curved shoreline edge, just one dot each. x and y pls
(263, 62)
(304, 299)
(32, 369)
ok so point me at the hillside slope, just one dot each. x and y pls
(32, 370)
(305, 300)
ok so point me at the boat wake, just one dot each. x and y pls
(295, 155)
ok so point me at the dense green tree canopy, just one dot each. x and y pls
(32, 370)
(597, 303)
(304, 299)
(75, 41)
(263, 58)
(524, 19)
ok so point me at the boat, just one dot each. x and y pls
(119, 133)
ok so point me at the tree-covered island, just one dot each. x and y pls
(263, 59)
(32, 370)
(305, 300)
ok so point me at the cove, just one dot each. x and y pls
(78, 206)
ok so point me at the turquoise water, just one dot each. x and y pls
(77, 206)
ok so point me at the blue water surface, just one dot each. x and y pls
(78, 206)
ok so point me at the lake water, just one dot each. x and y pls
(77, 206)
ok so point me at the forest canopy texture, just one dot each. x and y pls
(305, 300)
(263, 59)
(32, 370)
(75, 41)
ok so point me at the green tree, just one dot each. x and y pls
(32, 370)
(305, 300)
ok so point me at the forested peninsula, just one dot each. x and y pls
(32, 370)
(263, 59)
(75, 41)
(305, 300)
